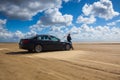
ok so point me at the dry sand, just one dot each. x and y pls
(89, 61)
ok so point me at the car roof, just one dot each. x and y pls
(44, 35)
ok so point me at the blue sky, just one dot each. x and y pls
(85, 20)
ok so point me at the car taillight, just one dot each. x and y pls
(25, 41)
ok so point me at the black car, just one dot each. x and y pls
(43, 42)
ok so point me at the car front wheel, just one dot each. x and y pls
(67, 47)
(38, 48)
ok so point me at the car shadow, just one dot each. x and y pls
(19, 53)
(26, 52)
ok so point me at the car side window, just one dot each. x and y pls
(45, 38)
(54, 38)
(39, 38)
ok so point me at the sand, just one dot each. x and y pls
(88, 61)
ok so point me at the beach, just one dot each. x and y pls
(88, 61)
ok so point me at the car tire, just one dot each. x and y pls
(38, 48)
(67, 47)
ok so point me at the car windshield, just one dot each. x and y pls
(54, 38)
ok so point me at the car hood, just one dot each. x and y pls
(64, 42)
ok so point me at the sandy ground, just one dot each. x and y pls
(89, 61)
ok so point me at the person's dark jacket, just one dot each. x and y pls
(69, 38)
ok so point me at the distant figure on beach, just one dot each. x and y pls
(69, 40)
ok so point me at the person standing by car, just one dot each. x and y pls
(69, 40)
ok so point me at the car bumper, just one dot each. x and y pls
(26, 46)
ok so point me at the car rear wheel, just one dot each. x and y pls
(67, 47)
(38, 48)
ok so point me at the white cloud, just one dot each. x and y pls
(26, 9)
(118, 21)
(72, 0)
(53, 17)
(7, 36)
(18, 35)
(86, 33)
(86, 20)
(30, 34)
(74, 30)
(4, 34)
(66, 0)
(2, 22)
(113, 23)
(37, 27)
(82, 34)
(95, 34)
(103, 9)
(2, 27)
(57, 31)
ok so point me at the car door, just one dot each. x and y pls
(47, 43)
(44, 41)
(55, 43)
